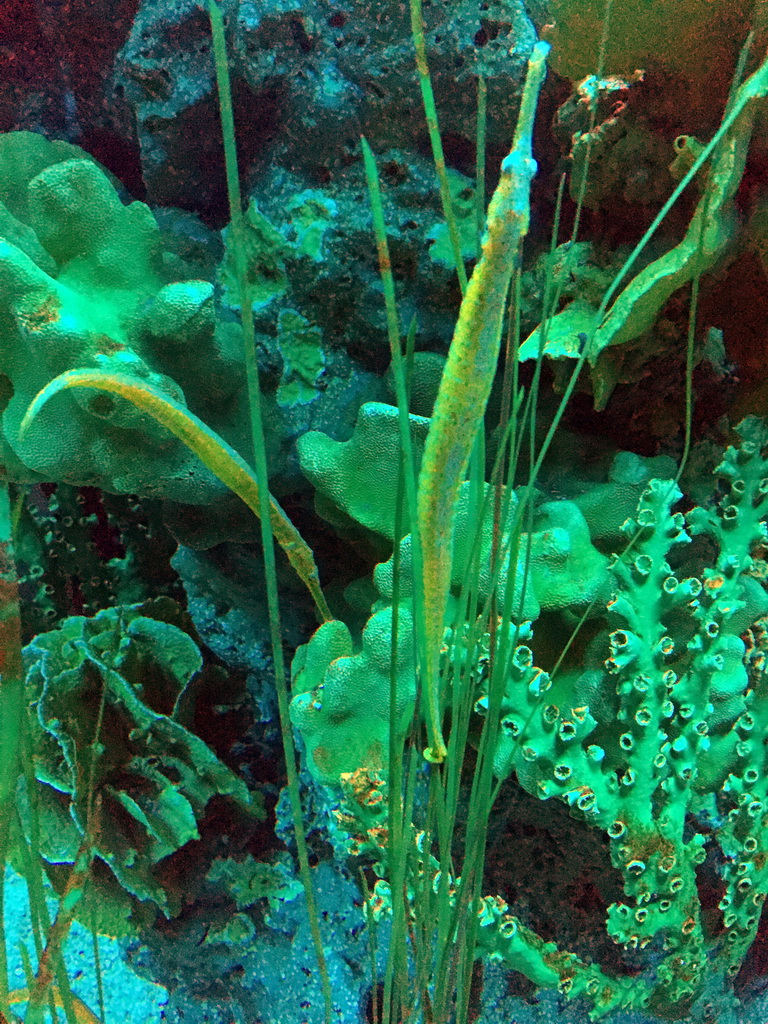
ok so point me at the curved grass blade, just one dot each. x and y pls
(82, 1013)
(212, 450)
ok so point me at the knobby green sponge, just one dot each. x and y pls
(85, 281)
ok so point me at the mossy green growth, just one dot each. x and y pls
(301, 345)
(310, 216)
(463, 202)
(265, 255)
(249, 881)
(269, 247)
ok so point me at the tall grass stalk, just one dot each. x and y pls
(262, 476)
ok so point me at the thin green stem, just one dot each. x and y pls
(262, 475)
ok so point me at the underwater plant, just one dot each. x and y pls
(599, 642)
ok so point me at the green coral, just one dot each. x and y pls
(341, 702)
(641, 770)
(83, 283)
(556, 567)
(112, 699)
(662, 720)
(359, 476)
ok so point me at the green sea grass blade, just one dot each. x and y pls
(224, 89)
(435, 140)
